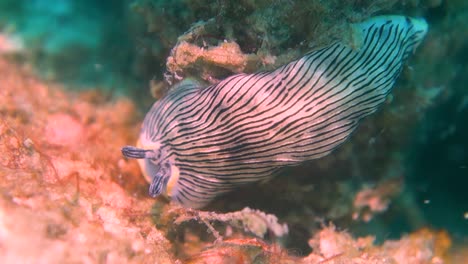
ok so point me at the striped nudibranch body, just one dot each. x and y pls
(199, 142)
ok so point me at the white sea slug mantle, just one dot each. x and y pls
(199, 142)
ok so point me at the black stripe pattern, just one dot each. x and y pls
(199, 142)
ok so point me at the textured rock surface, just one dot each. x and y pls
(66, 195)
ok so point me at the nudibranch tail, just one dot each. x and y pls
(246, 127)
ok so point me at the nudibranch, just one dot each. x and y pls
(199, 142)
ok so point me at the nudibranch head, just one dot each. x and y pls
(199, 142)
(157, 169)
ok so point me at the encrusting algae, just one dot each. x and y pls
(65, 194)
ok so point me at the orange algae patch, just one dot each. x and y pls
(421, 247)
(62, 129)
(66, 194)
(210, 61)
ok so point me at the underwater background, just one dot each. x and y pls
(77, 77)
